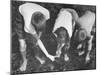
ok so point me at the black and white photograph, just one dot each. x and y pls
(52, 37)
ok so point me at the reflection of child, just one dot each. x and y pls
(62, 40)
(87, 21)
(63, 28)
(35, 17)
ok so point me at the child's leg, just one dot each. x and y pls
(23, 53)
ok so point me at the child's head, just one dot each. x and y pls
(38, 20)
(62, 35)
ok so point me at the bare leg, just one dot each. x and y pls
(58, 52)
(23, 53)
(59, 48)
(89, 49)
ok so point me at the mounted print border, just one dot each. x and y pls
(52, 37)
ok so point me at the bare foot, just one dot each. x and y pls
(23, 66)
(87, 58)
(66, 58)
